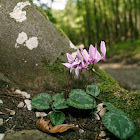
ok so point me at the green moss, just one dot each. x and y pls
(63, 53)
(111, 92)
(107, 84)
(56, 70)
(42, 11)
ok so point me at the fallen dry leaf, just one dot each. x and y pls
(46, 126)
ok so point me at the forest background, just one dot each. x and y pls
(86, 22)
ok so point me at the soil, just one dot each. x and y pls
(88, 129)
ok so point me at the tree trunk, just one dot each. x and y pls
(88, 23)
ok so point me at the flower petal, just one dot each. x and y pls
(85, 55)
(68, 65)
(103, 48)
(77, 71)
(97, 57)
(91, 51)
(79, 54)
(70, 58)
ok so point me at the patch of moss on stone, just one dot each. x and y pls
(107, 84)
(63, 53)
(42, 11)
(56, 70)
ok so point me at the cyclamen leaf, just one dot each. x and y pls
(134, 137)
(57, 117)
(58, 96)
(119, 124)
(93, 90)
(80, 99)
(60, 104)
(41, 101)
(112, 108)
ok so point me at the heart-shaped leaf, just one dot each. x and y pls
(112, 108)
(60, 104)
(57, 117)
(80, 99)
(119, 124)
(134, 137)
(58, 96)
(93, 90)
(41, 101)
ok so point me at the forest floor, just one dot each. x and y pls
(88, 128)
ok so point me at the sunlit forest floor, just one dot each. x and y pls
(123, 63)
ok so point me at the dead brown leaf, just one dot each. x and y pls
(46, 126)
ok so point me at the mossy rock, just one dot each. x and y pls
(128, 101)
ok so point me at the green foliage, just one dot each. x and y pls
(58, 96)
(124, 48)
(59, 101)
(109, 106)
(93, 90)
(41, 101)
(117, 122)
(134, 137)
(57, 117)
(80, 99)
(60, 104)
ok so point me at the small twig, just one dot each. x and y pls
(15, 96)
(8, 109)
(1, 113)
(96, 137)
(81, 126)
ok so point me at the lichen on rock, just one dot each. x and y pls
(17, 13)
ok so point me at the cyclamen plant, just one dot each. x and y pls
(84, 99)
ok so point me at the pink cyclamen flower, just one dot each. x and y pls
(94, 54)
(83, 58)
(73, 64)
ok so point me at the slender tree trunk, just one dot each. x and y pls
(135, 15)
(106, 22)
(117, 21)
(88, 22)
(96, 20)
(131, 26)
(125, 21)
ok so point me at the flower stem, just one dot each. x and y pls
(72, 77)
(66, 86)
(88, 79)
(79, 78)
